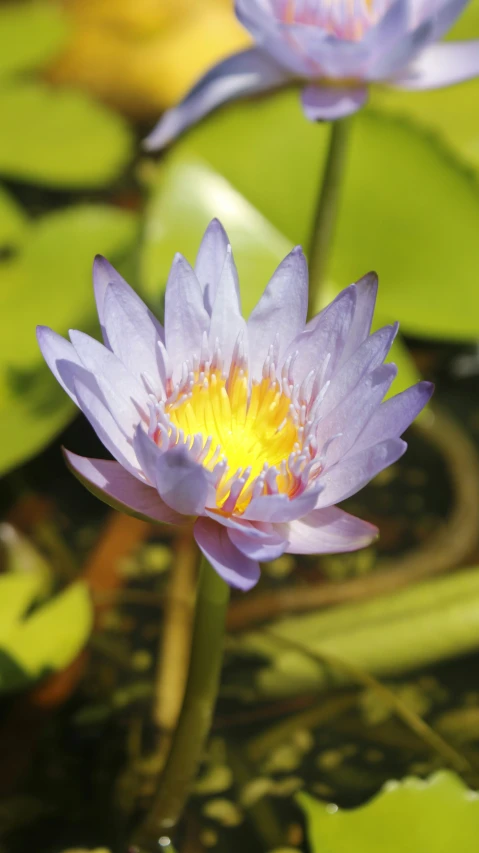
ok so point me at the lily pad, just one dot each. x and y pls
(60, 138)
(13, 223)
(49, 282)
(30, 35)
(434, 816)
(409, 209)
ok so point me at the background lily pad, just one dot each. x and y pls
(49, 282)
(439, 815)
(30, 34)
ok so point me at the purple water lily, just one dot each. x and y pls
(249, 431)
(337, 48)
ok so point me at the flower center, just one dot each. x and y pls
(346, 19)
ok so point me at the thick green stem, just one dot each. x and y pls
(196, 713)
(322, 234)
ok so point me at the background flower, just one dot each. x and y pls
(255, 428)
(340, 48)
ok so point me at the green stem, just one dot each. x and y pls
(327, 208)
(197, 711)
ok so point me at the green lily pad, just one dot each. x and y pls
(438, 815)
(409, 210)
(60, 137)
(49, 283)
(13, 222)
(30, 34)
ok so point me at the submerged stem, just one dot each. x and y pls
(197, 710)
(322, 234)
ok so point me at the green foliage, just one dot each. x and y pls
(409, 209)
(60, 137)
(30, 35)
(439, 815)
(34, 643)
(48, 282)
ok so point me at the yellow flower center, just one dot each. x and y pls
(249, 429)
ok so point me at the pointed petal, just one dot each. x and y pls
(441, 65)
(366, 293)
(112, 484)
(102, 421)
(325, 337)
(103, 275)
(61, 358)
(281, 312)
(124, 395)
(328, 103)
(244, 73)
(268, 548)
(227, 322)
(327, 531)
(349, 418)
(183, 484)
(351, 474)
(233, 566)
(133, 335)
(394, 416)
(211, 260)
(369, 356)
(186, 318)
(386, 65)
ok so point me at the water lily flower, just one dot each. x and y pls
(251, 431)
(337, 49)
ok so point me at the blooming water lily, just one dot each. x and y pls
(250, 431)
(337, 49)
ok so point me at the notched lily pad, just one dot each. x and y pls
(438, 815)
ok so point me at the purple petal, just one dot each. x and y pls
(211, 260)
(111, 483)
(328, 103)
(280, 314)
(366, 293)
(183, 484)
(351, 474)
(133, 335)
(186, 318)
(103, 275)
(368, 357)
(278, 508)
(444, 17)
(394, 416)
(390, 63)
(61, 357)
(244, 73)
(227, 322)
(349, 418)
(253, 530)
(268, 548)
(325, 337)
(124, 395)
(233, 566)
(327, 531)
(112, 437)
(441, 65)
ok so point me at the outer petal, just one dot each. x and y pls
(395, 415)
(327, 531)
(268, 548)
(183, 484)
(233, 566)
(111, 483)
(351, 474)
(61, 358)
(328, 103)
(211, 260)
(186, 318)
(278, 508)
(244, 73)
(124, 395)
(441, 65)
(133, 334)
(227, 322)
(280, 314)
(388, 64)
(366, 293)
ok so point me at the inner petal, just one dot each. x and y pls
(346, 19)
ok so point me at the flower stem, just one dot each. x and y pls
(326, 210)
(197, 710)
